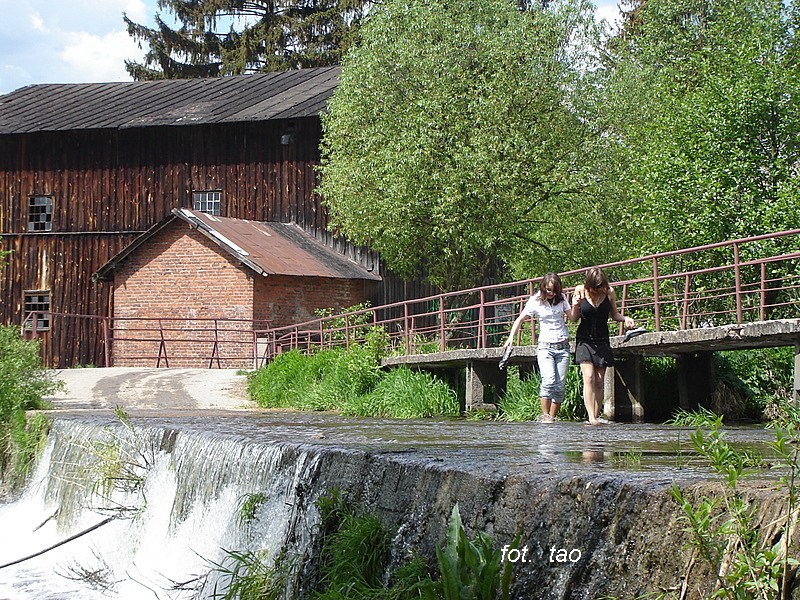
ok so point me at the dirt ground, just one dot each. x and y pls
(146, 388)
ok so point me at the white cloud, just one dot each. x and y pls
(37, 22)
(69, 41)
(101, 56)
(609, 11)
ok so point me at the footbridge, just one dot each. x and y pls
(738, 294)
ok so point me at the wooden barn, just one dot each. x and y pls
(85, 169)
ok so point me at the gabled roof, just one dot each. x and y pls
(266, 248)
(168, 102)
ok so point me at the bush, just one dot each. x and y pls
(751, 380)
(23, 383)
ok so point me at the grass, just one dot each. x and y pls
(350, 381)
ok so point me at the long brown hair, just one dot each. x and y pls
(554, 282)
(595, 279)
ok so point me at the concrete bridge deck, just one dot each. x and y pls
(624, 394)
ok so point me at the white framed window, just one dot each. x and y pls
(207, 202)
(40, 213)
(37, 301)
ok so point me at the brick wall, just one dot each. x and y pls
(184, 279)
(288, 300)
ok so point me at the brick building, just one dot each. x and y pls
(193, 289)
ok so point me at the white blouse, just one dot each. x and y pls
(552, 326)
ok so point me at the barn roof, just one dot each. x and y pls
(168, 102)
(266, 248)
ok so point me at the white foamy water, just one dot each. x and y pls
(175, 509)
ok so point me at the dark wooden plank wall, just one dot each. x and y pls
(110, 185)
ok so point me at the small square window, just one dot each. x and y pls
(39, 302)
(207, 202)
(40, 213)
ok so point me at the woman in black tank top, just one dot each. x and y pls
(593, 303)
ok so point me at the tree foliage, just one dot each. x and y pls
(453, 135)
(231, 37)
(706, 101)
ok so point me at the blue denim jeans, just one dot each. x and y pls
(553, 363)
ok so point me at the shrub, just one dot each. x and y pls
(23, 383)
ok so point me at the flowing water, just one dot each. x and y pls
(173, 486)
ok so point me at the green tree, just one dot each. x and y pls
(707, 119)
(458, 132)
(231, 37)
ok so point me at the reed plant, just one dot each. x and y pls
(471, 569)
(350, 381)
(354, 555)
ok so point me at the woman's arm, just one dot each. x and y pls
(615, 314)
(517, 324)
(574, 313)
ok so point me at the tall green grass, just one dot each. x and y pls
(350, 381)
(405, 394)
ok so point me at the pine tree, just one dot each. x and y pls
(230, 37)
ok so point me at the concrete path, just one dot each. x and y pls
(146, 388)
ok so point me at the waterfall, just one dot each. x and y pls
(175, 502)
(175, 487)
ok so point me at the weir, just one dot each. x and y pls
(591, 523)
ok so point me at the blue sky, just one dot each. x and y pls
(82, 41)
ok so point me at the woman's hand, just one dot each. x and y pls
(629, 323)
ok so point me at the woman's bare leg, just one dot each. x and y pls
(593, 378)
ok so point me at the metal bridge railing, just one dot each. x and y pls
(738, 281)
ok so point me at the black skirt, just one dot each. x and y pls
(597, 353)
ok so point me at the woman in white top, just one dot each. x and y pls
(551, 308)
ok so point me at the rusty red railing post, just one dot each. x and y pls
(656, 300)
(347, 331)
(738, 273)
(623, 306)
(685, 315)
(482, 321)
(406, 328)
(442, 331)
(762, 300)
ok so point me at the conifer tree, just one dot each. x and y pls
(230, 37)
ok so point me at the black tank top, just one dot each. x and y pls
(594, 321)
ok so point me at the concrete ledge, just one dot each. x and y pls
(760, 334)
(458, 358)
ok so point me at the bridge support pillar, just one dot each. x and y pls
(624, 390)
(481, 375)
(797, 373)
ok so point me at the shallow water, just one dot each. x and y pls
(641, 452)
